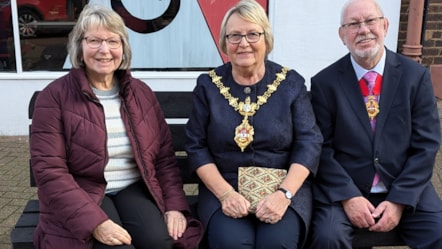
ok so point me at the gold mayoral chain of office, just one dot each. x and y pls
(244, 132)
(372, 106)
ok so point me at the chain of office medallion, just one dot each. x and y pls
(261, 99)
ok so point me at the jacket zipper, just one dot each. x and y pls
(106, 157)
(143, 166)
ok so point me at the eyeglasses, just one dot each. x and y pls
(370, 23)
(94, 42)
(251, 37)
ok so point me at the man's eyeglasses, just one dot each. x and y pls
(370, 23)
(94, 42)
(251, 37)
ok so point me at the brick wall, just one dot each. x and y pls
(432, 31)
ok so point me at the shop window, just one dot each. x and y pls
(44, 27)
(165, 35)
(7, 54)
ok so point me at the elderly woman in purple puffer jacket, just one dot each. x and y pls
(101, 151)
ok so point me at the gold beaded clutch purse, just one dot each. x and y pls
(256, 182)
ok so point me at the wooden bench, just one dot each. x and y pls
(176, 107)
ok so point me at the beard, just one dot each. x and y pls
(365, 52)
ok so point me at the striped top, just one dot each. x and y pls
(121, 169)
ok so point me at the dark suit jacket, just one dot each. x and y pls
(402, 149)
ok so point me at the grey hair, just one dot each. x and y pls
(345, 7)
(96, 15)
(251, 11)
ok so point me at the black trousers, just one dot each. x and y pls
(134, 209)
(332, 229)
(224, 232)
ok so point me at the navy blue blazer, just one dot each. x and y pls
(403, 147)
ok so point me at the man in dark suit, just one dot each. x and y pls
(380, 141)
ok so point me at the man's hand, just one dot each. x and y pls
(389, 215)
(359, 211)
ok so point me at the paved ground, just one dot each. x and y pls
(15, 190)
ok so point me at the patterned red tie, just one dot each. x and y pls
(370, 78)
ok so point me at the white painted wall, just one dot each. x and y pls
(306, 32)
(306, 39)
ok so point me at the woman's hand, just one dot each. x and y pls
(176, 223)
(112, 234)
(235, 205)
(272, 207)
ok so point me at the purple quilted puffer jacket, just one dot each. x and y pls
(68, 156)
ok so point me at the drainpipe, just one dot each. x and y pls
(424, 21)
(412, 46)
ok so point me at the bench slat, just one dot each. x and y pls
(178, 136)
(366, 239)
(21, 238)
(175, 104)
(187, 176)
(27, 220)
(32, 207)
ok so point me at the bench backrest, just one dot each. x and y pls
(176, 107)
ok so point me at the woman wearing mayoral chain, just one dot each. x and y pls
(252, 112)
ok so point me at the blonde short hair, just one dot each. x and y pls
(251, 11)
(96, 15)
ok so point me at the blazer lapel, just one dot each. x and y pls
(390, 84)
(350, 87)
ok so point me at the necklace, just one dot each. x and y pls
(244, 132)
